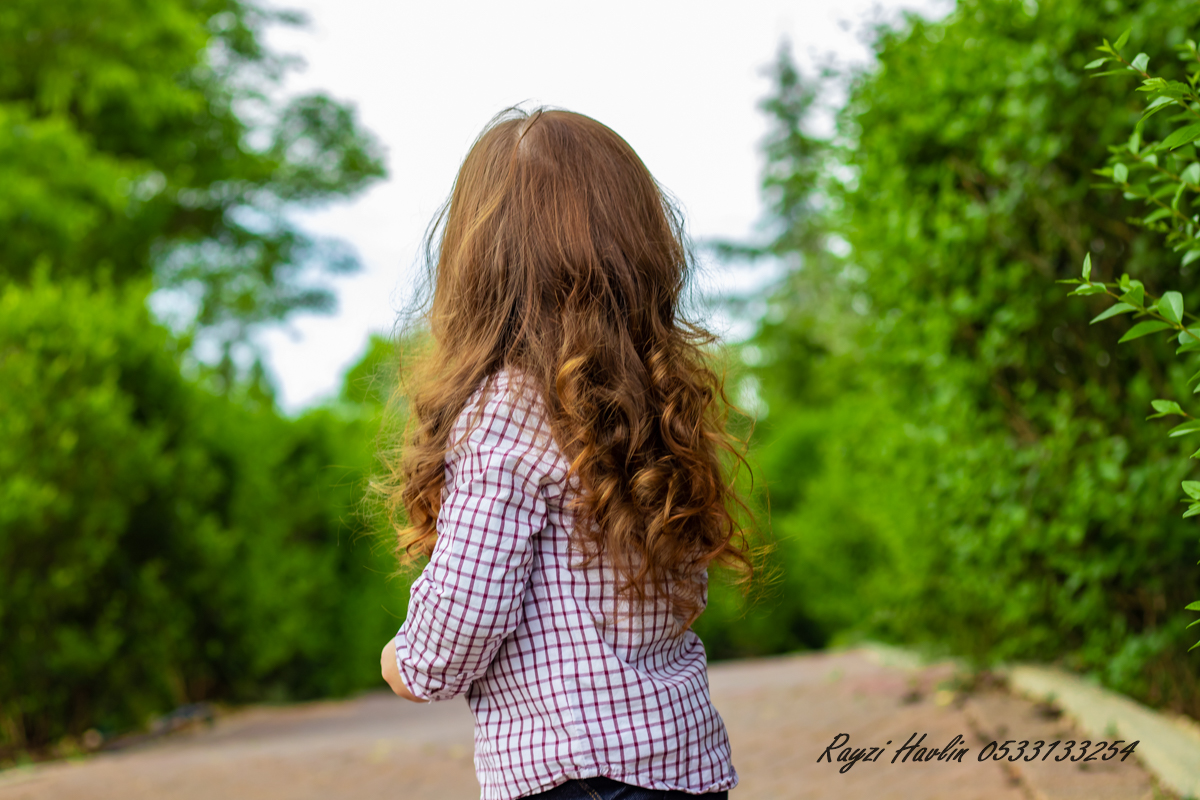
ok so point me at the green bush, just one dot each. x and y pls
(161, 544)
(953, 456)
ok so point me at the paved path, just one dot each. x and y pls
(781, 713)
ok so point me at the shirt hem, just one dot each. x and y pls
(723, 785)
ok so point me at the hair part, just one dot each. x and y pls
(559, 255)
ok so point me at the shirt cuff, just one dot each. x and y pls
(408, 673)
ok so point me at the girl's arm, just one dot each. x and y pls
(468, 599)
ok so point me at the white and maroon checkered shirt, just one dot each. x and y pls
(561, 685)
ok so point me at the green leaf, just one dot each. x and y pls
(1120, 173)
(1192, 488)
(1190, 335)
(1171, 306)
(1191, 174)
(1087, 267)
(1099, 62)
(1140, 61)
(1071, 281)
(1178, 194)
(1112, 311)
(1190, 256)
(1192, 606)
(1090, 288)
(1158, 105)
(1181, 137)
(1190, 347)
(1135, 296)
(1122, 40)
(1165, 408)
(1144, 329)
(1165, 189)
(1192, 511)
(1183, 429)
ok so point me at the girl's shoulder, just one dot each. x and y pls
(507, 398)
(506, 413)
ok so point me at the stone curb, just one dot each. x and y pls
(1168, 748)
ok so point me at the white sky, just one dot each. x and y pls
(679, 80)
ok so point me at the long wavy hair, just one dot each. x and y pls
(559, 255)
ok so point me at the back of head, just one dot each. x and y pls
(560, 256)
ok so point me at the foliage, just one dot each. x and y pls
(371, 380)
(952, 457)
(160, 544)
(167, 536)
(144, 138)
(1152, 172)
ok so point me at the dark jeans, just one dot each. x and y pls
(608, 789)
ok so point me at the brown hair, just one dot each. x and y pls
(559, 255)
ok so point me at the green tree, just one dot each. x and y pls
(161, 544)
(957, 459)
(166, 536)
(143, 139)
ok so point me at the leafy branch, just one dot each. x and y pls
(1152, 172)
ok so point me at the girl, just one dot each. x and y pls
(564, 472)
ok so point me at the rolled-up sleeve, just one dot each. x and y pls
(468, 599)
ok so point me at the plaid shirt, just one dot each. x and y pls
(562, 685)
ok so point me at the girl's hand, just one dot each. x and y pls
(391, 672)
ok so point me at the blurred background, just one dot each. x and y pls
(211, 215)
